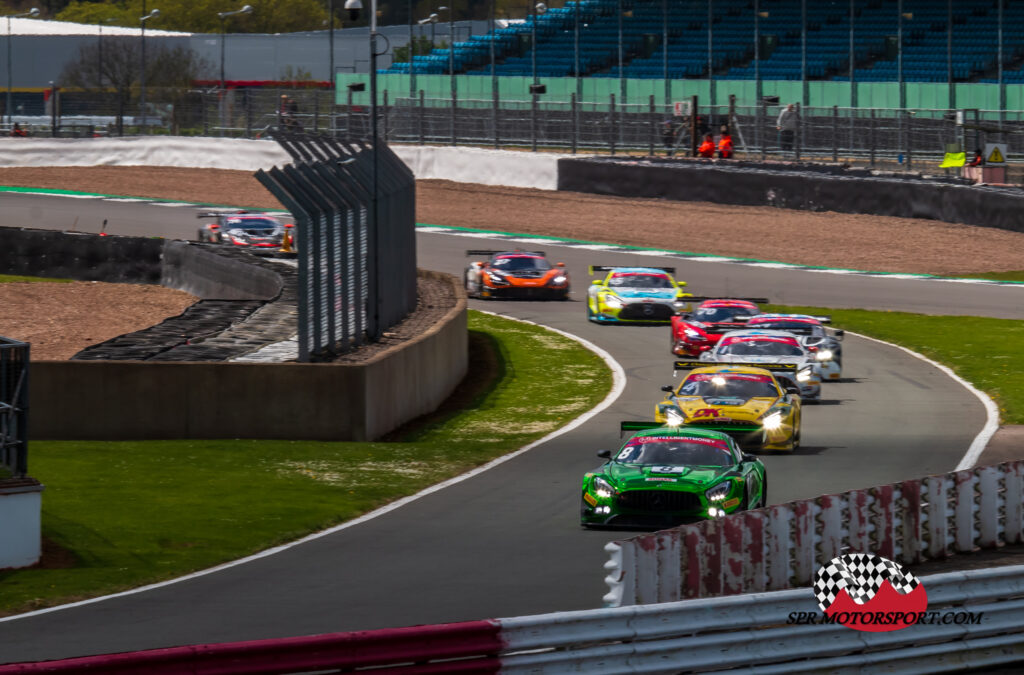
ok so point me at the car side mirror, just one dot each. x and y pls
(838, 334)
(595, 282)
(790, 389)
(668, 388)
(681, 284)
(560, 264)
(748, 458)
(604, 454)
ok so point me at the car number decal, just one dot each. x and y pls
(668, 469)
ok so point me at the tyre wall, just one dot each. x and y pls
(795, 187)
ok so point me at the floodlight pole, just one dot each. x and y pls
(142, 73)
(34, 12)
(247, 9)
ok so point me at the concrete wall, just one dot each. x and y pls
(132, 400)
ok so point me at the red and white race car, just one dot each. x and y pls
(826, 344)
(244, 229)
(698, 331)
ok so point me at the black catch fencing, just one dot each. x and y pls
(354, 213)
(14, 359)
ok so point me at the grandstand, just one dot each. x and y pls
(646, 24)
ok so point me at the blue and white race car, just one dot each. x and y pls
(635, 295)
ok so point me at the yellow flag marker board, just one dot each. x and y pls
(995, 153)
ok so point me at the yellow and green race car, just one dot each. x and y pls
(635, 295)
(757, 409)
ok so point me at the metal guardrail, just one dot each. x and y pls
(781, 546)
(739, 634)
(14, 366)
(356, 237)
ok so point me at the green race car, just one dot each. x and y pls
(663, 476)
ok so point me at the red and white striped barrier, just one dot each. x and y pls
(781, 546)
(469, 647)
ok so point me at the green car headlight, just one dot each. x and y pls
(602, 488)
(719, 492)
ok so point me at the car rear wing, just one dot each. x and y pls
(217, 214)
(691, 364)
(480, 251)
(633, 425)
(703, 298)
(594, 269)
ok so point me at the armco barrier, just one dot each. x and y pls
(739, 634)
(794, 186)
(783, 545)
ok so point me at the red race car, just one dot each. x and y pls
(699, 330)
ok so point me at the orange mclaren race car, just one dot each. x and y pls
(516, 274)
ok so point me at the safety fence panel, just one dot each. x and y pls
(14, 367)
(782, 546)
(354, 211)
(597, 122)
(973, 621)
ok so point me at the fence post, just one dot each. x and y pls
(762, 113)
(316, 111)
(910, 143)
(384, 110)
(798, 140)
(654, 125)
(611, 121)
(248, 114)
(532, 121)
(872, 137)
(422, 112)
(455, 105)
(694, 132)
(348, 117)
(835, 133)
(495, 104)
(575, 120)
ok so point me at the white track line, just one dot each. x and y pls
(618, 386)
(991, 410)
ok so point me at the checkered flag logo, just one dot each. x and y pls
(860, 575)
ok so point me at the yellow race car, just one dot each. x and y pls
(759, 410)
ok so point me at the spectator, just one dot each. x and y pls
(17, 131)
(979, 158)
(725, 144)
(290, 113)
(786, 125)
(707, 148)
(668, 137)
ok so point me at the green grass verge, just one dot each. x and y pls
(988, 353)
(12, 278)
(122, 514)
(995, 276)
